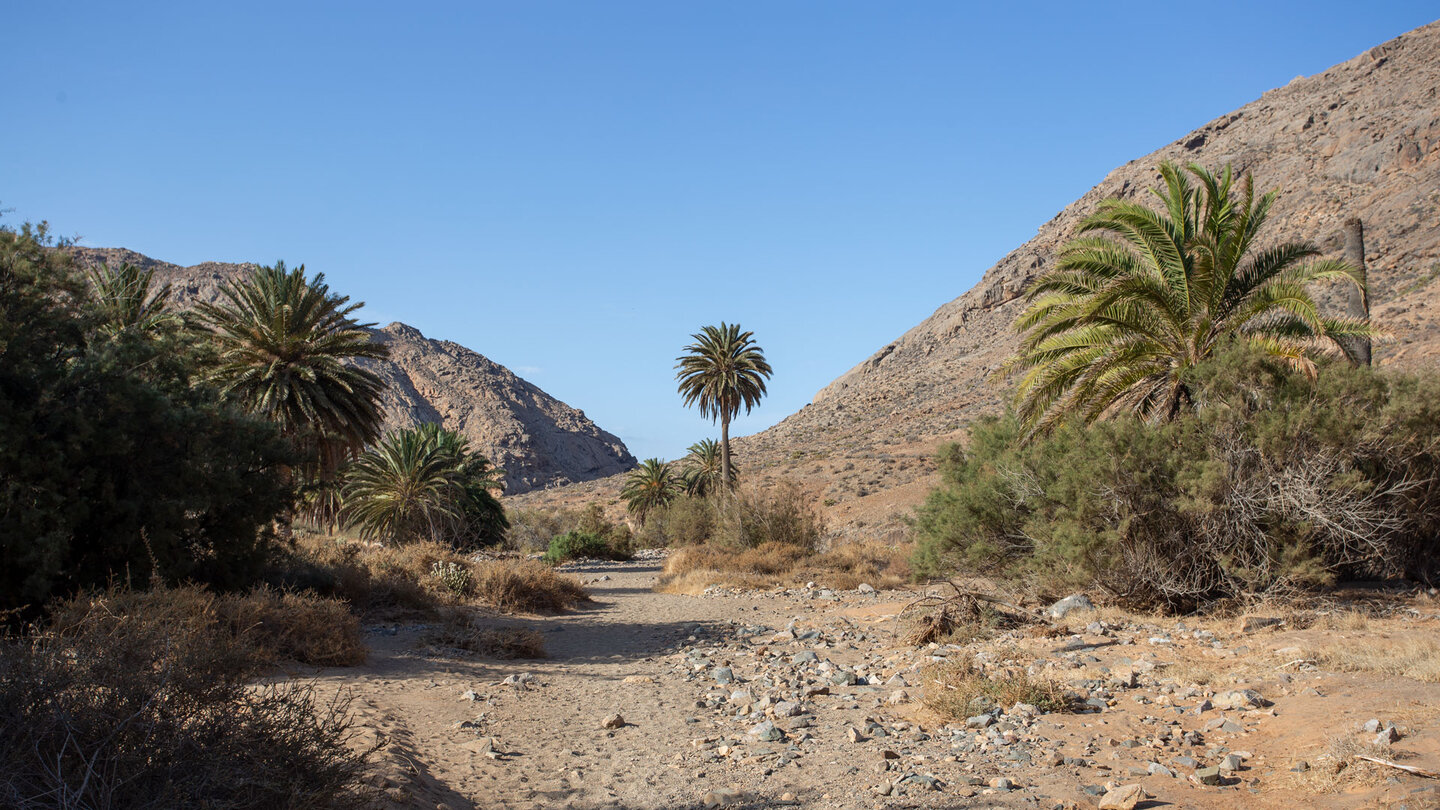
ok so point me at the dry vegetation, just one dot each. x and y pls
(459, 631)
(956, 690)
(423, 578)
(145, 700)
(693, 569)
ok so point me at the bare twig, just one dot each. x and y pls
(1406, 768)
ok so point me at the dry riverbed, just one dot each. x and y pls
(807, 698)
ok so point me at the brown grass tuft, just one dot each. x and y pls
(1416, 657)
(526, 586)
(691, 569)
(951, 687)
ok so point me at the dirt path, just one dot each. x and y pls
(825, 670)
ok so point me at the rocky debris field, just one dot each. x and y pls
(806, 697)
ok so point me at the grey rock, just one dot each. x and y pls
(1208, 776)
(723, 675)
(1074, 602)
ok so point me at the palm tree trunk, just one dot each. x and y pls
(1359, 303)
(725, 449)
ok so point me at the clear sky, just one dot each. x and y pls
(573, 188)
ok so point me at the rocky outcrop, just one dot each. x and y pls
(538, 440)
(1359, 140)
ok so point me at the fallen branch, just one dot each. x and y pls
(1297, 661)
(1406, 768)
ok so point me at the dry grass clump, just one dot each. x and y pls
(1413, 656)
(460, 631)
(423, 578)
(1337, 769)
(526, 586)
(693, 568)
(951, 689)
(145, 700)
(265, 625)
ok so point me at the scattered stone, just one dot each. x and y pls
(979, 721)
(1239, 700)
(612, 721)
(897, 697)
(1156, 769)
(723, 675)
(1387, 735)
(639, 679)
(854, 734)
(1123, 797)
(1371, 726)
(865, 587)
(1070, 603)
(721, 797)
(1231, 763)
(767, 732)
(1208, 776)
(1001, 783)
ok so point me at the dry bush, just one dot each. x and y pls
(1411, 657)
(460, 631)
(144, 701)
(1337, 769)
(951, 687)
(753, 515)
(424, 578)
(296, 626)
(266, 625)
(846, 565)
(526, 586)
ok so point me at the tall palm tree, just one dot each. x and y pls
(124, 300)
(701, 474)
(406, 488)
(650, 486)
(722, 370)
(286, 350)
(1143, 296)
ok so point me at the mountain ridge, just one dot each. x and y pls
(536, 439)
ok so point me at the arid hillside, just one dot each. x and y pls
(1361, 139)
(538, 440)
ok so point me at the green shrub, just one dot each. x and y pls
(684, 522)
(117, 462)
(1276, 483)
(576, 545)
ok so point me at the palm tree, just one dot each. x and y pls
(1143, 296)
(124, 300)
(286, 348)
(406, 488)
(650, 486)
(482, 517)
(702, 474)
(722, 370)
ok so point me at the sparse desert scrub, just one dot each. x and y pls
(1336, 768)
(693, 568)
(684, 522)
(460, 630)
(421, 578)
(1408, 655)
(754, 514)
(952, 690)
(527, 587)
(146, 701)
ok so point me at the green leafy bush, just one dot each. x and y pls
(577, 545)
(1277, 482)
(117, 462)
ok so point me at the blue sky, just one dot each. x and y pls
(573, 188)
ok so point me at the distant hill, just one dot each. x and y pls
(1360, 139)
(538, 440)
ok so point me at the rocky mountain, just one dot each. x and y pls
(1361, 139)
(538, 440)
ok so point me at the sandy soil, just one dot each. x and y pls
(454, 735)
